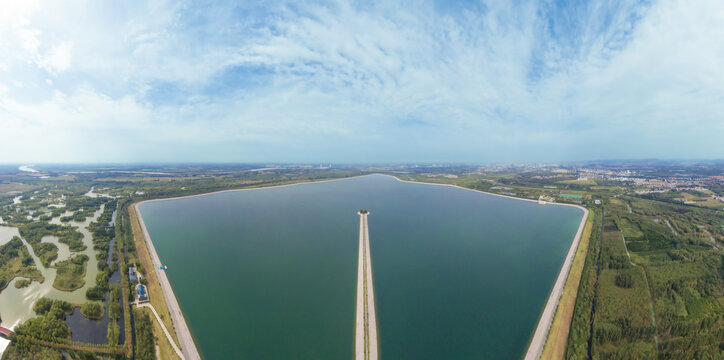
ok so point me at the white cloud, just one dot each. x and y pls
(622, 79)
(57, 59)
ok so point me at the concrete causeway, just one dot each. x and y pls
(366, 319)
(186, 341)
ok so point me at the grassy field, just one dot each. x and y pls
(13, 187)
(71, 273)
(634, 301)
(678, 271)
(623, 320)
(154, 288)
(165, 350)
(702, 199)
(555, 347)
(578, 182)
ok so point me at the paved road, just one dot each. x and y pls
(183, 333)
(168, 335)
(544, 324)
(366, 319)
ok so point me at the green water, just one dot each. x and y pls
(271, 273)
(572, 196)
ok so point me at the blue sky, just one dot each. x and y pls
(320, 82)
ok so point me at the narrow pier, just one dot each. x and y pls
(366, 324)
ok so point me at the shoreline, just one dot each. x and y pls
(537, 340)
(535, 349)
(183, 334)
(181, 329)
(253, 188)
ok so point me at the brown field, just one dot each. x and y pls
(555, 347)
(145, 179)
(706, 201)
(154, 288)
(14, 188)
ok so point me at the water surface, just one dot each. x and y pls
(271, 273)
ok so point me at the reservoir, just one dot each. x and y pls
(271, 273)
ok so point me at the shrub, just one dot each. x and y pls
(92, 310)
(624, 281)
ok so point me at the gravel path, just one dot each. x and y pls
(168, 335)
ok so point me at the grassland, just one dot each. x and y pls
(165, 349)
(14, 188)
(70, 273)
(578, 182)
(555, 347)
(673, 307)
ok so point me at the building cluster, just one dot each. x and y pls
(141, 291)
(652, 184)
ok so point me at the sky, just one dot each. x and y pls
(360, 82)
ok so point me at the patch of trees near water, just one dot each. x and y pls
(70, 274)
(92, 310)
(145, 342)
(672, 275)
(50, 323)
(33, 233)
(15, 261)
(114, 313)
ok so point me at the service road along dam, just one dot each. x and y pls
(366, 322)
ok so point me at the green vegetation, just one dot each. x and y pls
(50, 324)
(673, 268)
(103, 234)
(92, 310)
(665, 299)
(71, 273)
(22, 283)
(114, 305)
(95, 293)
(33, 232)
(624, 280)
(15, 261)
(145, 343)
(114, 313)
(44, 337)
(22, 349)
(578, 336)
(43, 305)
(114, 333)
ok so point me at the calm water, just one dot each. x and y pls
(271, 274)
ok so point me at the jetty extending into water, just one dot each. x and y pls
(366, 322)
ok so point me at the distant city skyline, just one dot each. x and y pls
(363, 82)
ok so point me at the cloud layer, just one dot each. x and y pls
(534, 81)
